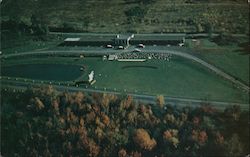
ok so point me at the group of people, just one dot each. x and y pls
(144, 55)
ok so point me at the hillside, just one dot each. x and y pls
(128, 15)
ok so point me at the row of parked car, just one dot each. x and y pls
(122, 47)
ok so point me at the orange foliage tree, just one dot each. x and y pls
(142, 139)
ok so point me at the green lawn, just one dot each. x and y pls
(228, 58)
(178, 78)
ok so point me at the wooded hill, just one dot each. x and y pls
(137, 16)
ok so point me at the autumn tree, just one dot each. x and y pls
(105, 119)
(234, 146)
(135, 154)
(106, 100)
(78, 98)
(74, 124)
(143, 139)
(199, 136)
(126, 103)
(171, 136)
(122, 153)
(37, 104)
(160, 101)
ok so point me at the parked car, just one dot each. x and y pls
(120, 47)
(109, 46)
(181, 44)
(137, 50)
(141, 46)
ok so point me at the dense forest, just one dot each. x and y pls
(45, 122)
(137, 16)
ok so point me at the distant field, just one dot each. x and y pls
(13, 43)
(177, 78)
(229, 58)
(117, 16)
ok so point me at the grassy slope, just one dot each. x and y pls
(228, 58)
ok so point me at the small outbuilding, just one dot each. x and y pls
(112, 57)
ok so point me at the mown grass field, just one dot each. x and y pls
(177, 78)
(230, 58)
